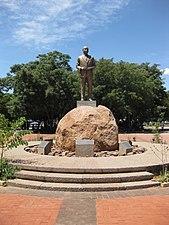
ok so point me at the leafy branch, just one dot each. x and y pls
(10, 136)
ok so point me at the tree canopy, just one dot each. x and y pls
(42, 89)
(130, 90)
(47, 88)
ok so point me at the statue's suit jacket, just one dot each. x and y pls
(84, 61)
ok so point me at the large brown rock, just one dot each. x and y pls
(86, 122)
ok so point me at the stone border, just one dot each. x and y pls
(145, 160)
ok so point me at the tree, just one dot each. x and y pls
(43, 89)
(166, 104)
(130, 90)
(4, 97)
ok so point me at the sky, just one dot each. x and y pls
(129, 30)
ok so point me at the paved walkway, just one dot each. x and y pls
(147, 210)
(28, 210)
(34, 207)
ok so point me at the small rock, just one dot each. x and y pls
(59, 151)
(135, 146)
(130, 153)
(63, 153)
(115, 153)
(3, 183)
(70, 154)
(66, 153)
(27, 149)
(134, 138)
(138, 150)
(51, 153)
(130, 142)
(34, 150)
(102, 154)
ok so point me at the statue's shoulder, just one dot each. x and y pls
(80, 57)
(91, 57)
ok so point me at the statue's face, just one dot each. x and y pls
(85, 51)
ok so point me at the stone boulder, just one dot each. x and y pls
(86, 122)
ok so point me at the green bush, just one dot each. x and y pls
(7, 170)
(163, 177)
(10, 137)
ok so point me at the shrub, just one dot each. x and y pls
(7, 170)
(10, 136)
(163, 177)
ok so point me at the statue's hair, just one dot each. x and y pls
(85, 47)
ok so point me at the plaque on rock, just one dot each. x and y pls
(86, 103)
(84, 148)
(124, 148)
(44, 147)
(49, 140)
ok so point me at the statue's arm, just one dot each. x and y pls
(78, 65)
(94, 65)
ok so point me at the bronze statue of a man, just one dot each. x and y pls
(85, 66)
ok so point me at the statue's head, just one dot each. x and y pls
(85, 50)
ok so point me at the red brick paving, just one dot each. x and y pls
(38, 137)
(28, 210)
(39, 207)
(141, 137)
(145, 210)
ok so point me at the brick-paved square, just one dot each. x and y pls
(142, 210)
(20, 206)
(28, 210)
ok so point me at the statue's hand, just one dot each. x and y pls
(91, 67)
(84, 68)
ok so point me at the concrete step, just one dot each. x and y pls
(83, 178)
(80, 170)
(81, 187)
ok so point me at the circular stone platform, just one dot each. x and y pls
(149, 158)
(86, 174)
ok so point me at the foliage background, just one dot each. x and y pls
(47, 88)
